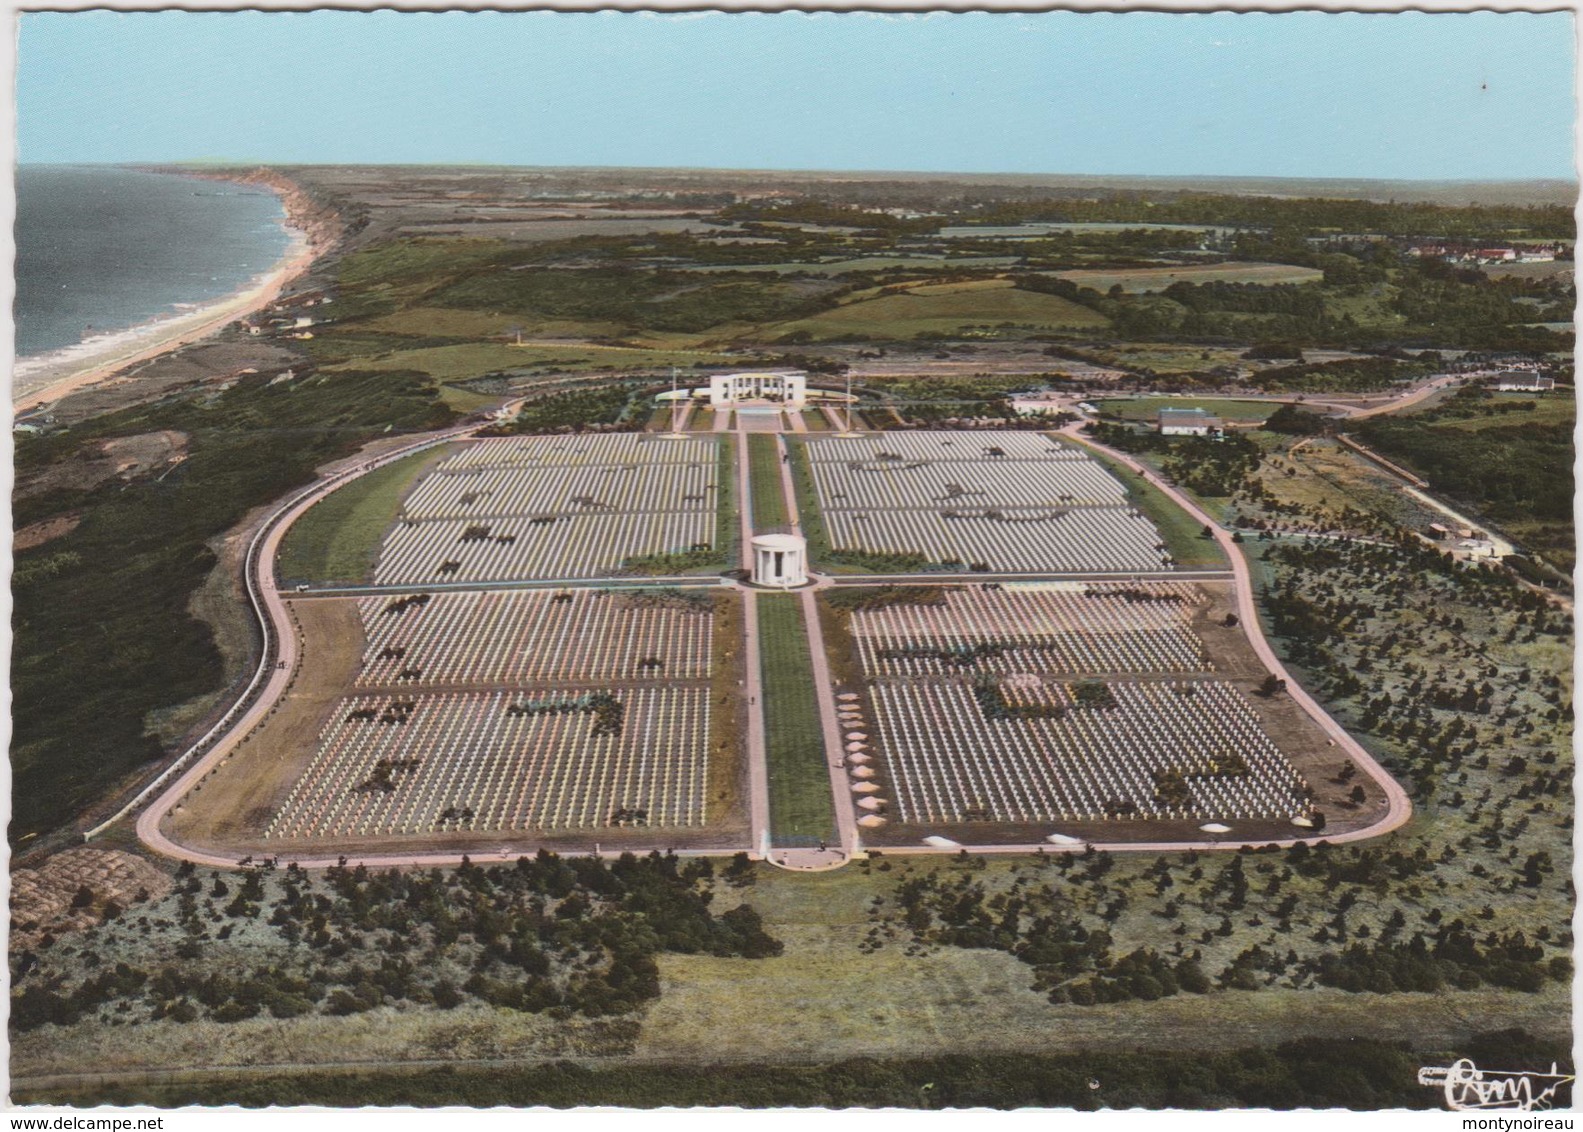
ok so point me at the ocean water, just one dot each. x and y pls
(102, 250)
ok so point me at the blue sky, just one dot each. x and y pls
(1477, 96)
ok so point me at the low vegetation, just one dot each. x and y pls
(565, 937)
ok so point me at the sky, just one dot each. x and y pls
(1481, 96)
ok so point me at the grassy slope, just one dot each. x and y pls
(338, 539)
(104, 634)
(799, 785)
(1181, 535)
(769, 501)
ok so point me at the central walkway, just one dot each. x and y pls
(787, 856)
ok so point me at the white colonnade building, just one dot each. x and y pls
(780, 561)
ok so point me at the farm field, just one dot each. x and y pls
(1148, 408)
(1138, 280)
(1006, 502)
(461, 361)
(557, 507)
(942, 309)
(921, 262)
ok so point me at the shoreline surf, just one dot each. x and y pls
(45, 378)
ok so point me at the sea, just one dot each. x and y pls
(103, 250)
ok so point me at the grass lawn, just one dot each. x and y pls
(467, 401)
(1148, 408)
(338, 538)
(769, 501)
(449, 322)
(1181, 534)
(728, 530)
(801, 809)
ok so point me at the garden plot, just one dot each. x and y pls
(550, 507)
(1012, 502)
(1030, 749)
(1068, 628)
(516, 637)
(486, 761)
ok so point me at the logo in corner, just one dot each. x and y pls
(1468, 1088)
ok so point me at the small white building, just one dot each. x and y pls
(1189, 422)
(1523, 381)
(729, 389)
(1034, 406)
(780, 561)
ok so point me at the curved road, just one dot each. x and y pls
(1398, 807)
(280, 655)
(277, 662)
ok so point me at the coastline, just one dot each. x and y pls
(37, 382)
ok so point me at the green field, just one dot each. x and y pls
(1148, 408)
(475, 359)
(865, 264)
(1552, 409)
(338, 538)
(1182, 536)
(769, 501)
(801, 810)
(944, 311)
(1138, 280)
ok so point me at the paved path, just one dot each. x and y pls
(758, 750)
(1397, 808)
(277, 662)
(280, 656)
(824, 692)
(621, 582)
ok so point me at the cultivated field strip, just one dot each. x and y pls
(420, 764)
(567, 546)
(574, 451)
(949, 762)
(985, 483)
(1025, 540)
(483, 492)
(520, 637)
(941, 446)
(550, 507)
(1069, 628)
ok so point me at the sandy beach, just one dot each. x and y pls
(39, 381)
